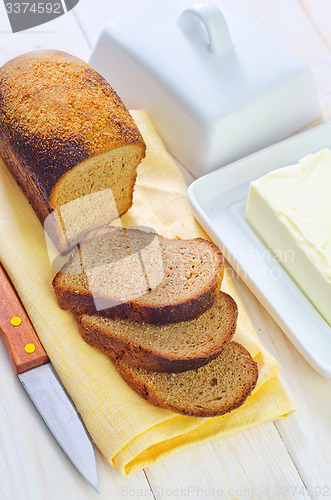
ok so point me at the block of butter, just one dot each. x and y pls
(290, 209)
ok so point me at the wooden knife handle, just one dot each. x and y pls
(24, 347)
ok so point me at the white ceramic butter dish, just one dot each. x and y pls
(216, 84)
(219, 201)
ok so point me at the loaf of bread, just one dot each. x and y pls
(164, 348)
(174, 280)
(69, 141)
(213, 389)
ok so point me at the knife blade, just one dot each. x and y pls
(36, 373)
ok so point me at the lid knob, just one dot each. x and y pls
(219, 39)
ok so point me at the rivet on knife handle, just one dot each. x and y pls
(24, 347)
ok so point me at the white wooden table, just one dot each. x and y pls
(286, 459)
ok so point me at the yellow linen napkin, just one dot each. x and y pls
(130, 432)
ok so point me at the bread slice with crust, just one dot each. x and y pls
(165, 348)
(213, 389)
(139, 275)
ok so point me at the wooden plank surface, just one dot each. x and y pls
(252, 464)
(306, 434)
(63, 33)
(288, 459)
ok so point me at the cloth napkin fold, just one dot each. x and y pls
(130, 432)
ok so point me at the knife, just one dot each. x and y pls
(33, 367)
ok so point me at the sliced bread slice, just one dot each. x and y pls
(165, 348)
(213, 389)
(152, 279)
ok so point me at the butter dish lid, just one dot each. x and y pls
(214, 81)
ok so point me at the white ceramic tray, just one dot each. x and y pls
(219, 200)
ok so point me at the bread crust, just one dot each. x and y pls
(56, 112)
(83, 302)
(151, 394)
(173, 313)
(134, 353)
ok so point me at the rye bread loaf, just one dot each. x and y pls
(213, 389)
(69, 141)
(164, 348)
(133, 274)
